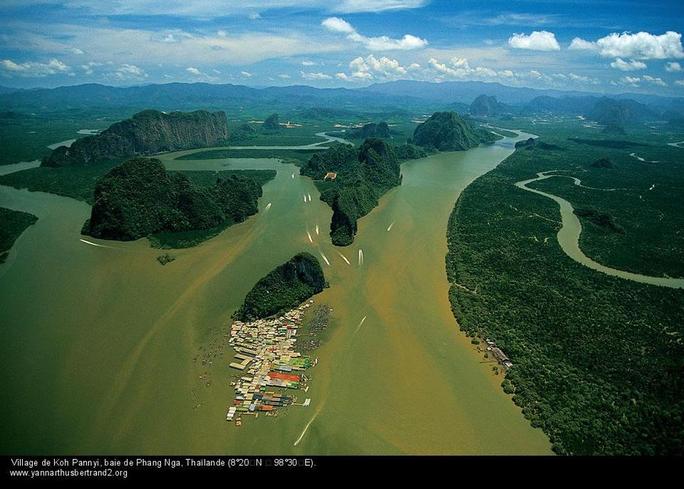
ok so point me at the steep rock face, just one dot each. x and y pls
(285, 287)
(140, 198)
(447, 131)
(486, 106)
(146, 133)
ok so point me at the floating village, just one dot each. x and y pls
(271, 372)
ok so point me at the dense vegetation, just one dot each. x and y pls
(12, 224)
(598, 360)
(371, 130)
(140, 198)
(601, 219)
(147, 132)
(79, 181)
(447, 131)
(271, 123)
(362, 176)
(285, 287)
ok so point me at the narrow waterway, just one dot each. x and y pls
(571, 228)
(100, 344)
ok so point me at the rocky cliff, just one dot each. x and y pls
(146, 133)
(447, 131)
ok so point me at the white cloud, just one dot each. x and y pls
(381, 43)
(641, 45)
(371, 67)
(537, 41)
(631, 65)
(33, 68)
(194, 71)
(581, 44)
(654, 80)
(673, 67)
(315, 76)
(284, 76)
(129, 72)
(460, 68)
(630, 80)
(679, 82)
(308, 63)
(245, 74)
(635, 81)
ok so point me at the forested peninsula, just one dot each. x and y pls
(352, 180)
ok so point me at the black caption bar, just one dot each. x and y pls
(140, 468)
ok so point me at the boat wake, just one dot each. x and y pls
(363, 320)
(325, 258)
(344, 258)
(96, 244)
(360, 257)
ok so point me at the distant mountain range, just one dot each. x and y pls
(397, 95)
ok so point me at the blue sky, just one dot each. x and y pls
(600, 46)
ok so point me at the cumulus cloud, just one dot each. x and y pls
(381, 43)
(537, 41)
(654, 80)
(315, 76)
(129, 72)
(372, 67)
(630, 80)
(642, 45)
(578, 44)
(460, 68)
(673, 67)
(635, 81)
(33, 68)
(631, 65)
(679, 82)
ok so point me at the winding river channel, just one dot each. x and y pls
(571, 228)
(100, 344)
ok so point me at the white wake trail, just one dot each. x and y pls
(309, 235)
(363, 320)
(325, 258)
(95, 244)
(344, 258)
(389, 228)
(268, 206)
(360, 257)
(317, 229)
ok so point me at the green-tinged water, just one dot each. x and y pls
(99, 343)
